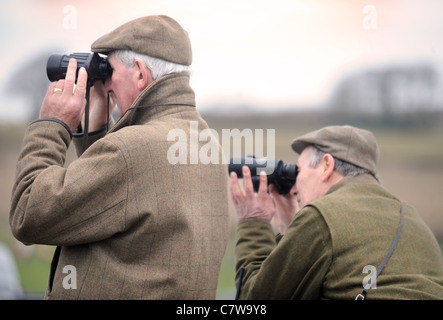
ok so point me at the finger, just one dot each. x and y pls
(70, 76)
(273, 190)
(58, 86)
(80, 89)
(279, 200)
(234, 181)
(236, 193)
(247, 181)
(263, 187)
(51, 88)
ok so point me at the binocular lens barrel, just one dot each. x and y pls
(255, 165)
(97, 67)
(57, 66)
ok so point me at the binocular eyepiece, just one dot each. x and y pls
(97, 67)
(282, 175)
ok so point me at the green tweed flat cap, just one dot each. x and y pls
(347, 143)
(156, 36)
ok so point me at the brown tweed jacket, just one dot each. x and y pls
(133, 225)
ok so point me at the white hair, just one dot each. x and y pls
(158, 67)
(342, 167)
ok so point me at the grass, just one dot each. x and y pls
(34, 273)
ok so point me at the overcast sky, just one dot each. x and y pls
(263, 53)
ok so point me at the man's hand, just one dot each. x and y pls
(287, 207)
(62, 102)
(250, 205)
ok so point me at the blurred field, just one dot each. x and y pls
(411, 166)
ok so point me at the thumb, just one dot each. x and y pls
(272, 189)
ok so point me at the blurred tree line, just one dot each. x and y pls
(391, 94)
(30, 81)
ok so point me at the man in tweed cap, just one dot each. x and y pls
(129, 222)
(337, 225)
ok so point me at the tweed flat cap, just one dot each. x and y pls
(156, 36)
(347, 143)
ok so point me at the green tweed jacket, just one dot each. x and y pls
(333, 246)
(131, 223)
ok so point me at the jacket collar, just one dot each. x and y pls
(362, 178)
(160, 98)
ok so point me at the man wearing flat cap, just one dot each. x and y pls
(128, 223)
(342, 234)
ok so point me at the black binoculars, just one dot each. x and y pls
(97, 67)
(282, 175)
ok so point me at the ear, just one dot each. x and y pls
(328, 164)
(143, 75)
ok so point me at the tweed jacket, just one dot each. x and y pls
(333, 246)
(128, 221)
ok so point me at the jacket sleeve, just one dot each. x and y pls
(79, 204)
(294, 268)
(81, 144)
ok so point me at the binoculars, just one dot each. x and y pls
(97, 67)
(283, 175)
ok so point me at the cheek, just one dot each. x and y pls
(304, 185)
(300, 185)
(302, 178)
(116, 85)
